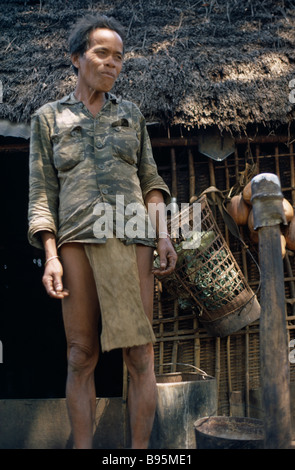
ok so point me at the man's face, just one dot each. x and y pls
(101, 64)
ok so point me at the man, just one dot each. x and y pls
(90, 150)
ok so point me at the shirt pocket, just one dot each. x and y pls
(124, 142)
(68, 148)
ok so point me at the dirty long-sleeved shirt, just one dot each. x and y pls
(89, 175)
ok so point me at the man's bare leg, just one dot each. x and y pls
(142, 393)
(80, 314)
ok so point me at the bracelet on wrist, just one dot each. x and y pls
(49, 259)
(164, 233)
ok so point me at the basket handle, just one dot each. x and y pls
(229, 221)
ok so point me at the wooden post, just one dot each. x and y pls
(268, 215)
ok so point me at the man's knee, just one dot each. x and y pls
(139, 359)
(81, 358)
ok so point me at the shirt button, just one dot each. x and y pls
(104, 191)
(101, 166)
(99, 145)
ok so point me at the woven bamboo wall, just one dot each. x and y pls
(233, 360)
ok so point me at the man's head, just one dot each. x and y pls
(79, 39)
(96, 47)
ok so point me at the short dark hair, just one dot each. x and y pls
(79, 36)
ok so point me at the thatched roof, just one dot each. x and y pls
(196, 63)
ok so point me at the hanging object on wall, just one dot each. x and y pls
(215, 145)
(11, 129)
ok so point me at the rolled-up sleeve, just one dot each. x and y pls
(43, 183)
(147, 170)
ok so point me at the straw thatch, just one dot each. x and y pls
(197, 63)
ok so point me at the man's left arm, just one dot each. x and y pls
(155, 194)
(154, 202)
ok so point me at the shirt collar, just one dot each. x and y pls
(71, 99)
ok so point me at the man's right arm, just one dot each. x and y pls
(53, 272)
(43, 183)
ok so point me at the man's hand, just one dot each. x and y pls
(167, 256)
(52, 279)
(154, 202)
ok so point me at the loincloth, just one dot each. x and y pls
(124, 322)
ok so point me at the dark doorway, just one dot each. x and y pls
(31, 329)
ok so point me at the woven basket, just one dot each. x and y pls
(209, 278)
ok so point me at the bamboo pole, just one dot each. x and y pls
(192, 177)
(227, 185)
(174, 173)
(277, 160)
(197, 344)
(161, 328)
(247, 373)
(230, 389)
(175, 343)
(194, 141)
(192, 191)
(247, 338)
(125, 404)
(173, 168)
(292, 170)
(217, 364)
(257, 151)
(217, 341)
(236, 164)
(291, 281)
